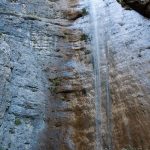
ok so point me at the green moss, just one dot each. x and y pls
(130, 148)
(56, 81)
(17, 121)
(53, 89)
(84, 37)
(84, 12)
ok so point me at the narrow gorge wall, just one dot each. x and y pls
(49, 76)
(127, 45)
(46, 73)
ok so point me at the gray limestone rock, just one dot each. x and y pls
(47, 93)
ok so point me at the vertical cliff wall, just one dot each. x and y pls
(125, 34)
(57, 92)
(46, 77)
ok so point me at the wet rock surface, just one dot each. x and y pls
(126, 35)
(46, 77)
(47, 90)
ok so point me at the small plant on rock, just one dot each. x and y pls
(84, 37)
(84, 12)
(56, 81)
(17, 121)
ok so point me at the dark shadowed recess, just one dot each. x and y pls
(143, 7)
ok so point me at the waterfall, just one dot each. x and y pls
(96, 53)
(97, 33)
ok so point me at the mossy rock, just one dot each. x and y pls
(84, 12)
(129, 148)
(17, 122)
(53, 89)
(56, 81)
(84, 37)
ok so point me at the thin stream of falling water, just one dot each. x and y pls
(108, 43)
(96, 52)
(108, 101)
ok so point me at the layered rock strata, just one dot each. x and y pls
(47, 90)
(47, 81)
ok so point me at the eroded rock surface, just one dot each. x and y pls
(47, 90)
(126, 35)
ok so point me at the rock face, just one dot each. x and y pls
(47, 90)
(127, 44)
